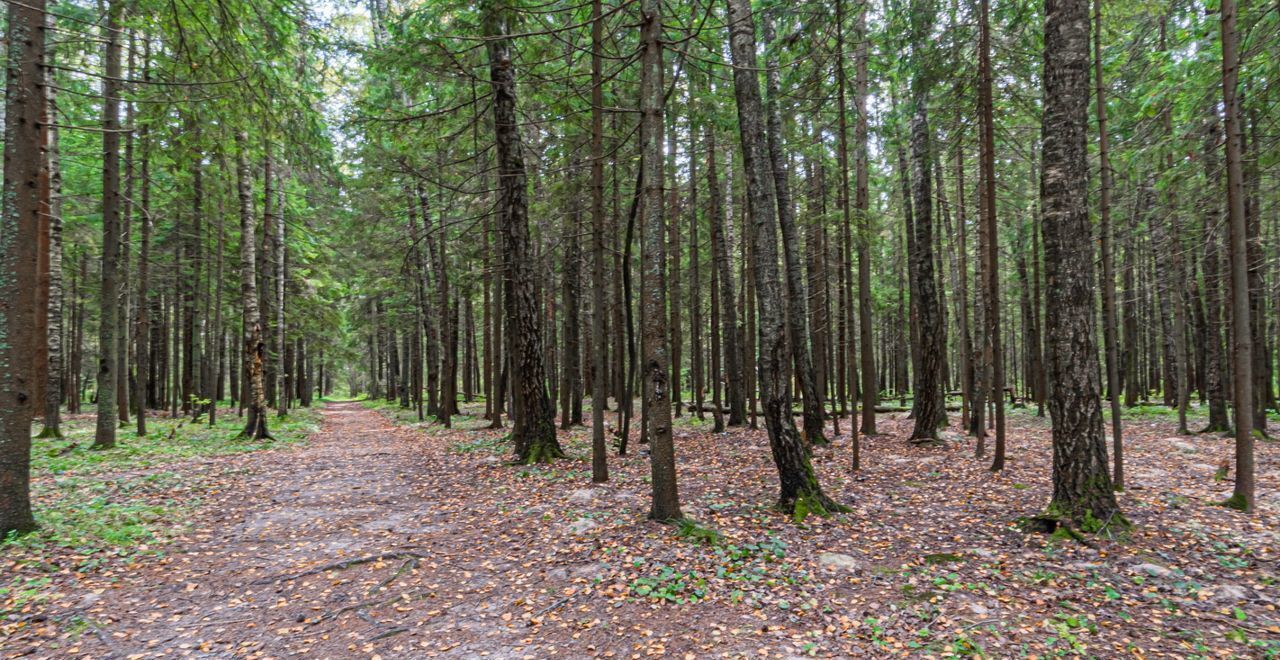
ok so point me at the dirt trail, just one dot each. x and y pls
(377, 540)
(408, 572)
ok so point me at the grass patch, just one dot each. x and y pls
(167, 440)
(690, 530)
(90, 516)
(101, 509)
(494, 444)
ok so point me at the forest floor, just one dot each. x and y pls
(382, 537)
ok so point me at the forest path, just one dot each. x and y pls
(409, 540)
(358, 542)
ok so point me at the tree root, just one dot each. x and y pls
(408, 564)
(346, 563)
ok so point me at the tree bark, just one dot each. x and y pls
(599, 387)
(51, 194)
(105, 434)
(571, 371)
(534, 434)
(928, 407)
(734, 379)
(862, 206)
(797, 289)
(989, 236)
(254, 353)
(1105, 243)
(656, 375)
(1214, 359)
(1242, 496)
(800, 494)
(1082, 488)
(19, 229)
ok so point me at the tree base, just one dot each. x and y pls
(1237, 502)
(19, 528)
(1059, 522)
(50, 432)
(542, 452)
(810, 503)
(818, 440)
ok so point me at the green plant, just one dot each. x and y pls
(690, 530)
(670, 585)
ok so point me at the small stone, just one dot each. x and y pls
(589, 570)
(836, 561)
(582, 526)
(582, 496)
(1153, 570)
(1271, 501)
(1231, 593)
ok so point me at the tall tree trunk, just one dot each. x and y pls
(962, 291)
(144, 388)
(1174, 279)
(797, 289)
(1216, 368)
(1242, 496)
(534, 434)
(800, 494)
(105, 434)
(697, 357)
(657, 385)
(126, 226)
(734, 378)
(599, 386)
(1262, 396)
(842, 343)
(267, 272)
(673, 272)
(254, 353)
(278, 266)
(1082, 488)
(571, 373)
(214, 390)
(75, 392)
(19, 241)
(862, 204)
(989, 236)
(448, 327)
(432, 322)
(929, 408)
(51, 201)
(717, 414)
(1105, 243)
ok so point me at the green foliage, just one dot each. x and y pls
(120, 516)
(671, 585)
(690, 530)
(167, 440)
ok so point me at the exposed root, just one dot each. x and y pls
(346, 563)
